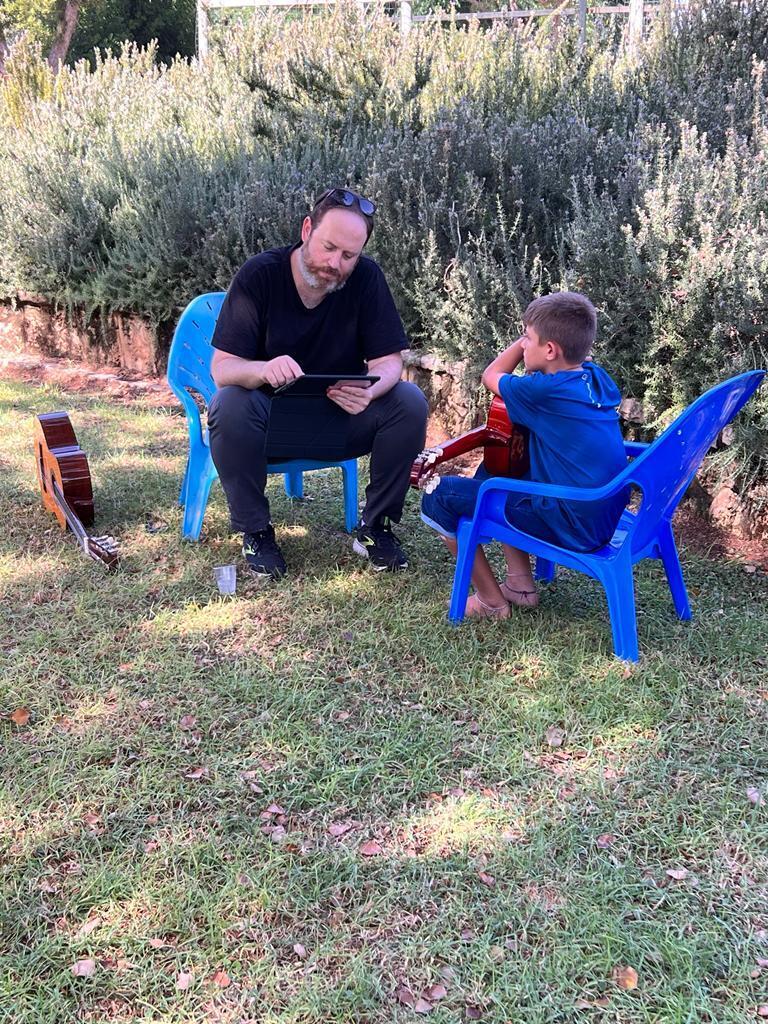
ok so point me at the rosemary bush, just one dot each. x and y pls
(505, 162)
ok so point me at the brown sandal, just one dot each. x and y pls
(527, 598)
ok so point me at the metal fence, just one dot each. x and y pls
(636, 10)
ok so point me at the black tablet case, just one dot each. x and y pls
(306, 427)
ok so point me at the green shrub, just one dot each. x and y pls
(505, 162)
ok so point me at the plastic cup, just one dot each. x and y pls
(226, 578)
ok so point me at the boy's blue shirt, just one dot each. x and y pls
(574, 441)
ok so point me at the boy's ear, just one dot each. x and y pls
(553, 351)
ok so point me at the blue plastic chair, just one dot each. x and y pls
(662, 472)
(189, 374)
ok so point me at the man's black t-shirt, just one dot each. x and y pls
(263, 317)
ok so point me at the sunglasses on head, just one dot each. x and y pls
(345, 197)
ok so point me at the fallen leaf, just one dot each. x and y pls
(486, 879)
(221, 978)
(625, 977)
(274, 809)
(762, 1011)
(20, 716)
(196, 773)
(762, 962)
(87, 927)
(83, 968)
(467, 934)
(278, 834)
(554, 736)
(300, 950)
(151, 845)
(156, 943)
(605, 840)
(342, 716)
(370, 849)
(91, 819)
(338, 828)
(474, 1013)
(677, 873)
(183, 980)
(755, 796)
(436, 992)
(405, 996)
(447, 972)
(422, 1006)
(187, 722)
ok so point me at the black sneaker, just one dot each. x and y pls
(380, 546)
(262, 554)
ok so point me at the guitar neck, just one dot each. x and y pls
(72, 520)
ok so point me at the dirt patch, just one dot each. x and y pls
(119, 384)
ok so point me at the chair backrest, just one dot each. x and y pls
(666, 468)
(189, 360)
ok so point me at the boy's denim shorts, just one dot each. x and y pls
(455, 497)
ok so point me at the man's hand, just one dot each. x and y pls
(281, 371)
(351, 398)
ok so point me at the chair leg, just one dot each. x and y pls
(462, 577)
(349, 474)
(198, 491)
(674, 571)
(294, 484)
(544, 571)
(184, 485)
(620, 594)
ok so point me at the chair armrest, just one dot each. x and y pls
(635, 448)
(531, 487)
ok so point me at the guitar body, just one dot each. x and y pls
(65, 483)
(511, 458)
(59, 457)
(505, 450)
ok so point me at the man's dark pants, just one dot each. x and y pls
(392, 430)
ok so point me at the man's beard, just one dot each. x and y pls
(312, 278)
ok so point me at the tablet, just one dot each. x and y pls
(316, 384)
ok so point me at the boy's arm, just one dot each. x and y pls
(505, 363)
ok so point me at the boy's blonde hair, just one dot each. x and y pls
(567, 318)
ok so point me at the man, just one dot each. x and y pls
(319, 306)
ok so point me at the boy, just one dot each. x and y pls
(568, 404)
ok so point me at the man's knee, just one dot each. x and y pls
(234, 408)
(411, 402)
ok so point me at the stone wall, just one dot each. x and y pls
(31, 324)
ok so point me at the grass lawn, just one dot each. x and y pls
(317, 802)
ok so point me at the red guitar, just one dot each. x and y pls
(65, 484)
(504, 444)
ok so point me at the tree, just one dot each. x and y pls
(72, 29)
(52, 23)
(108, 23)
